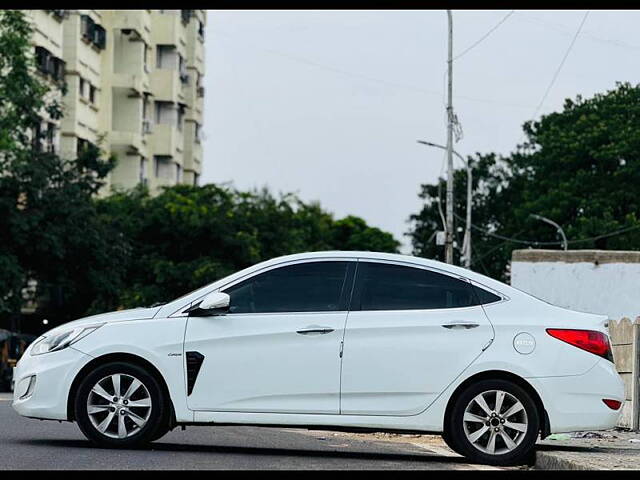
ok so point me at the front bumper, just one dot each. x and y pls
(42, 383)
(574, 403)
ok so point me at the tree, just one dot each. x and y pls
(87, 254)
(48, 230)
(579, 167)
(188, 236)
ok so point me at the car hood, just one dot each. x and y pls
(118, 316)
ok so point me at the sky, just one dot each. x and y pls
(329, 104)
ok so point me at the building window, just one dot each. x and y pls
(167, 57)
(145, 58)
(182, 68)
(51, 137)
(59, 14)
(86, 27)
(163, 167)
(93, 32)
(143, 171)
(49, 65)
(178, 173)
(42, 58)
(146, 121)
(196, 179)
(82, 146)
(166, 113)
(82, 85)
(180, 120)
(92, 94)
(44, 137)
(186, 15)
(100, 37)
(201, 30)
(37, 136)
(198, 133)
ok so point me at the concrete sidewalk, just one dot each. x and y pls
(610, 450)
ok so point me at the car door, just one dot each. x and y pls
(278, 348)
(410, 332)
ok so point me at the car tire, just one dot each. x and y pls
(494, 436)
(447, 439)
(131, 417)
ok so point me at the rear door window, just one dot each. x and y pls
(382, 286)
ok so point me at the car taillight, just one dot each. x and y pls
(612, 404)
(590, 340)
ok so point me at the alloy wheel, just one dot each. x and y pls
(119, 405)
(495, 422)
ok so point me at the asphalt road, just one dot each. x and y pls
(34, 444)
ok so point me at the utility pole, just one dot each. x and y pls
(466, 243)
(448, 248)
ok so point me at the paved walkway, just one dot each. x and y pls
(610, 450)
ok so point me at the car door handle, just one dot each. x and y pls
(313, 330)
(457, 325)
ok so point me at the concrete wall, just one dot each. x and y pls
(595, 281)
(625, 339)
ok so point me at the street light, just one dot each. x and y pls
(551, 222)
(466, 243)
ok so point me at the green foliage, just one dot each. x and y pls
(189, 236)
(49, 231)
(579, 167)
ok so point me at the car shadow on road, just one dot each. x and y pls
(240, 450)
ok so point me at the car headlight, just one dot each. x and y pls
(61, 340)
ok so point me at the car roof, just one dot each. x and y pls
(394, 257)
(501, 287)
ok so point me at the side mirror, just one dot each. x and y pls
(216, 303)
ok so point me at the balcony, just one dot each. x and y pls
(168, 29)
(131, 140)
(137, 83)
(193, 156)
(137, 21)
(166, 85)
(167, 140)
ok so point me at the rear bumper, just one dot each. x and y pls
(574, 403)
(42, 383)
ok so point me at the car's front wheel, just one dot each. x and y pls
(120, 404)
(494, 422)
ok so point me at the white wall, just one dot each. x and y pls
(610, 288)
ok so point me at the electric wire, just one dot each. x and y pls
(361, 76)
(562, 62)
(504, 19)
(536, 242)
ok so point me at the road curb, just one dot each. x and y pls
(557, 461)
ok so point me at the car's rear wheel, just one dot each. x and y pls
(448, 440)
(121, 405)
(494, 422)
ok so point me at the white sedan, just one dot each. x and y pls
(333, 340)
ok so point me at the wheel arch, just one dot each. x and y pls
(118, 357)
(545, 427)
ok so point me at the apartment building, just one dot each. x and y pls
(133, 86)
